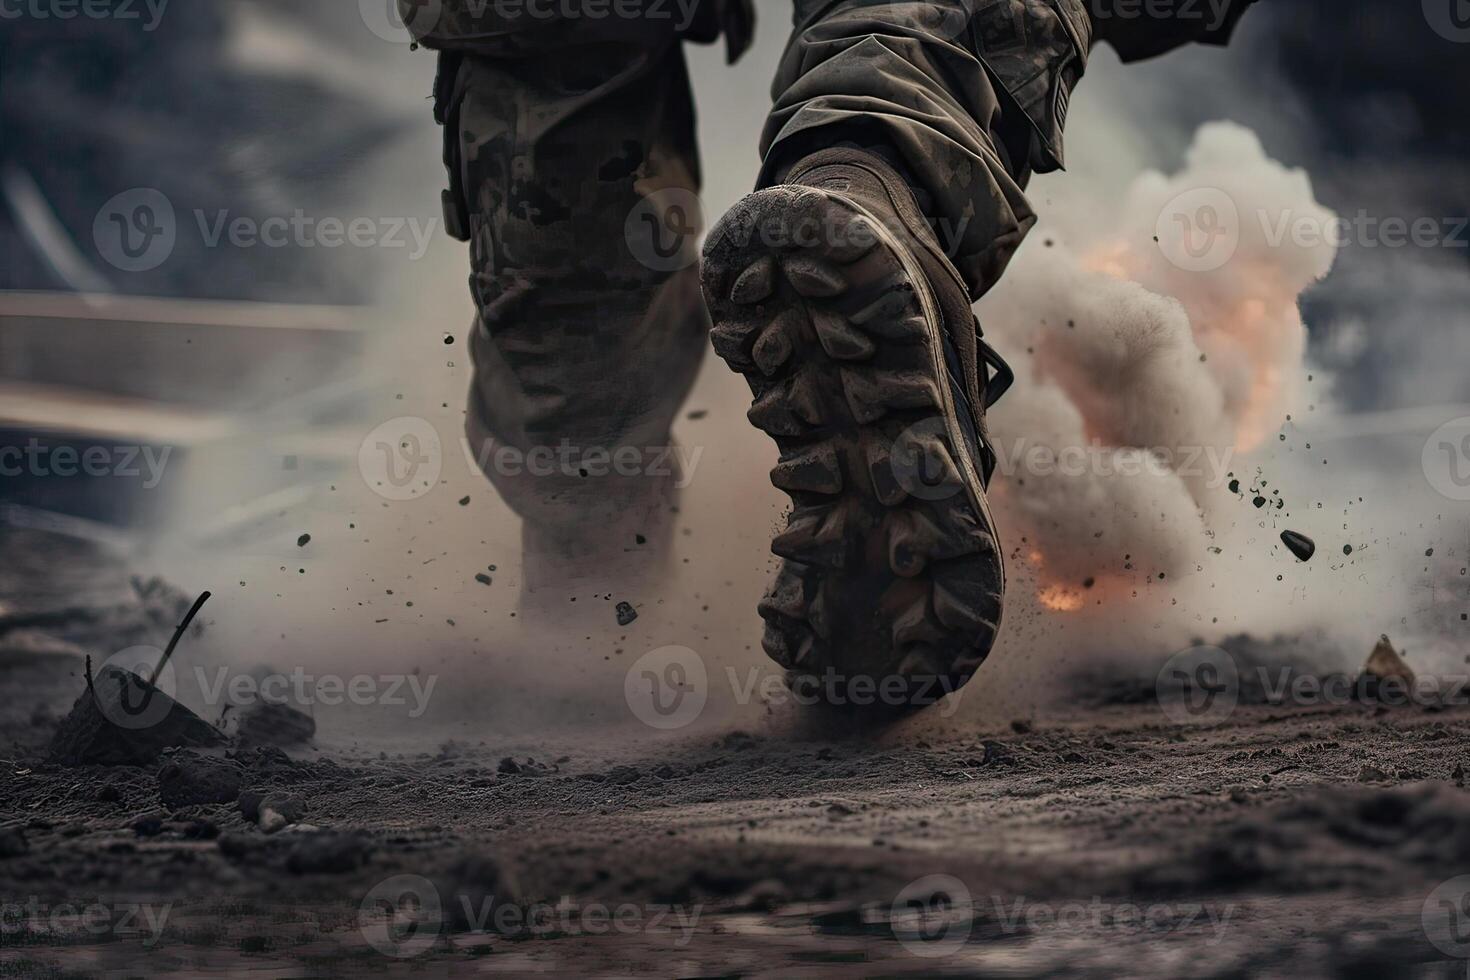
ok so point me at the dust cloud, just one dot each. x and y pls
(1119, 353)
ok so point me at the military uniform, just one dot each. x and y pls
(562, 118)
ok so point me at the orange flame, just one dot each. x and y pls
(1054, 595)
(1059, 598)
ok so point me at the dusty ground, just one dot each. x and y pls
(1286, 841)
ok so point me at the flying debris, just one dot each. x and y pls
(1299, 544)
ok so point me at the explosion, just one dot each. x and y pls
(1149, 361)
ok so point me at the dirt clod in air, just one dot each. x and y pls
(1299, 544)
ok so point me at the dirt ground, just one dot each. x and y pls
(1284, 841)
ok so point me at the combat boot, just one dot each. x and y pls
(832, 295)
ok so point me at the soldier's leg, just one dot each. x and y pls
(590, 324)
(922, 80)
(894, 165)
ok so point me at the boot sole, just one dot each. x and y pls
(890, 565)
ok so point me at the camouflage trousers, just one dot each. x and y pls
(571, 150)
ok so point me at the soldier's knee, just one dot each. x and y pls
(549, 468)
(556, 359)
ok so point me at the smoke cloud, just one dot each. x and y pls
(1159, 375)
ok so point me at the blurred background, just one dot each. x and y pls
(246, 375)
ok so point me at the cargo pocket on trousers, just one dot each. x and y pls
(448, 97)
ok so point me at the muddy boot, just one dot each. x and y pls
(833, 297)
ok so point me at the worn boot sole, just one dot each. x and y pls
(891, 569)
